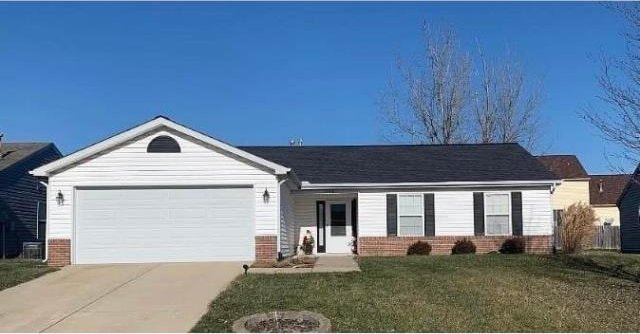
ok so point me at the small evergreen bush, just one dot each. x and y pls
(513, 245)
(419, 248)
(464, 246)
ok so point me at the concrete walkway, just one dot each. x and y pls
(324, 264)
(167, 297)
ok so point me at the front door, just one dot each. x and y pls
(339, 232)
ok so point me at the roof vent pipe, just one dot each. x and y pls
(1, 136)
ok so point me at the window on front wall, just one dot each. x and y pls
(410, 215)
(497, 220)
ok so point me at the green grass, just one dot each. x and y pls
(484, 293)
(14, 272)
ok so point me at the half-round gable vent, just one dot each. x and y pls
(163, 144)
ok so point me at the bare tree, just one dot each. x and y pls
(506, 105)
(431, 104)
(619, 80)
(441, 100)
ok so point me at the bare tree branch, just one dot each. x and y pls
(619, 80)
(433, 101)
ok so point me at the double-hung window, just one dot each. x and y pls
(410, 215)
(497, 214)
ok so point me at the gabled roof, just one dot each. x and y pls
(564, 166)
(605, 189)
(154, 124)
(407, 163)
(12, 153)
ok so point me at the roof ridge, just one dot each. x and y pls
(379, 145)
(556, 155)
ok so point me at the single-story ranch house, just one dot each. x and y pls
(162, 192)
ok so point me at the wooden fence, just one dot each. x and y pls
(604, 237)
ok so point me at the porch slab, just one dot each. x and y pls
(335, 263)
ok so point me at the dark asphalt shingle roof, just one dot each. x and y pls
(11, 153)
(564, 166)
(406, 163)
(612, 187)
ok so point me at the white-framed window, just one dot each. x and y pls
(497, 214)
(410, 214)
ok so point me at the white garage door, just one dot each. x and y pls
(131, 225)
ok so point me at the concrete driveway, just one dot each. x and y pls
(168, 297)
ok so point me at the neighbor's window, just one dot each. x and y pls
(410, 215)
(497, 220)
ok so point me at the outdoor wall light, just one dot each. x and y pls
(60, 198)
(265, 195)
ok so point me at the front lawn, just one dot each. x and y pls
(14, 272)
(485, 293)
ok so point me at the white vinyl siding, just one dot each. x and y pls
(131, 165)
(537, 216)
(454, 212)
(410, 215)
(287, 223)
(372, 214)
(497, 213)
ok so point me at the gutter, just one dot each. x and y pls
(318, 186)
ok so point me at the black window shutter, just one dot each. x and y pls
(478, 213)
(392, 215)
(516, 213)
(429, 215)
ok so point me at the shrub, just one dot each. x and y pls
(419, 248)
(464, 246)
(513, 245)
(577, 227)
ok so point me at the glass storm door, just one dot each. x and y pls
(338, 227)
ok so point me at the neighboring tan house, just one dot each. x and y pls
(22, 197)
(604, 193)
(162, 192)
(575, 182)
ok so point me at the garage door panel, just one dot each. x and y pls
(164, 225)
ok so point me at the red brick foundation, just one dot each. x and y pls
(266, 248)
(393, 246)
(59, 252)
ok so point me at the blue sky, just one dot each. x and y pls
(263, 73)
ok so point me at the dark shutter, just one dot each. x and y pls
(321, 226)
(392, 215)
(516, 213)
(354, 218)
(478, 213)
(429, 215)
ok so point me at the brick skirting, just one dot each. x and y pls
(393, 246)
(266, 248)
(59, 252)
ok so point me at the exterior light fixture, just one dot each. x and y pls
(265, 195)
(60, 198)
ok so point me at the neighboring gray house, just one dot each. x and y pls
(22, 197)
(162, 192)
(629, 206)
